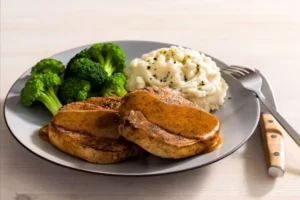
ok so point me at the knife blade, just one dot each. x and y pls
(272, 134)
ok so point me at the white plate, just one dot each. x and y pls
(239, 117)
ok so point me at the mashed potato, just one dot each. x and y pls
(185, 71)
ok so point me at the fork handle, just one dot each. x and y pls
(288, 128)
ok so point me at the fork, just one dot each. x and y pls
(252, 81)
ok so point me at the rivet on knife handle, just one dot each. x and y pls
(274, 145)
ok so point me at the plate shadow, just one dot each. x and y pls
(256, 168)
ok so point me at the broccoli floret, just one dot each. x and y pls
(48, 65)
(109, 55)
(42, 88)
(81, 54)
(114, 86)
(74, 89)
(85, 69)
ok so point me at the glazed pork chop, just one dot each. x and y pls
(90, 148)
(171, 112)
(152, 138)
(166, 124)
(89, 118)
(89, 130)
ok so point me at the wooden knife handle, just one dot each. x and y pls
(274, 145)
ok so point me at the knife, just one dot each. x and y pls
(272, 134)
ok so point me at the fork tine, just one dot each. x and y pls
(234, 73)
(232, 70)
(229, 73)
(241, 68)
(238, 69)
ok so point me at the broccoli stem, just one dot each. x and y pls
(121, 92)
(47, 100)
(108, 65)
(52, 93)
(101, 59)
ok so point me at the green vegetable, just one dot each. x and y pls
(74, 89)
(48, 65)
(115, 86)
(109, 55)
(42, 88)
(84, 68)
(81, 54)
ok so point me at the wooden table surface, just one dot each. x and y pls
(259, 34)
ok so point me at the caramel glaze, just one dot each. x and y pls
(171, 112)
(154, 139)
(157, 119)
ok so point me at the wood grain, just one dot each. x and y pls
(274, 145)
(258, 34)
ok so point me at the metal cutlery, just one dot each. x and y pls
(252, 81)
(272, 134)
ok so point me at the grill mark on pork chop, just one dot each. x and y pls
(80, 106)
(91, 149)
(169, 96)
(112, 103)
(94, 103)
(98, 143)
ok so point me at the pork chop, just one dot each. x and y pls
(171, 112)
(89, 130)
(136, 128)
(90, 148)
(89, 117)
